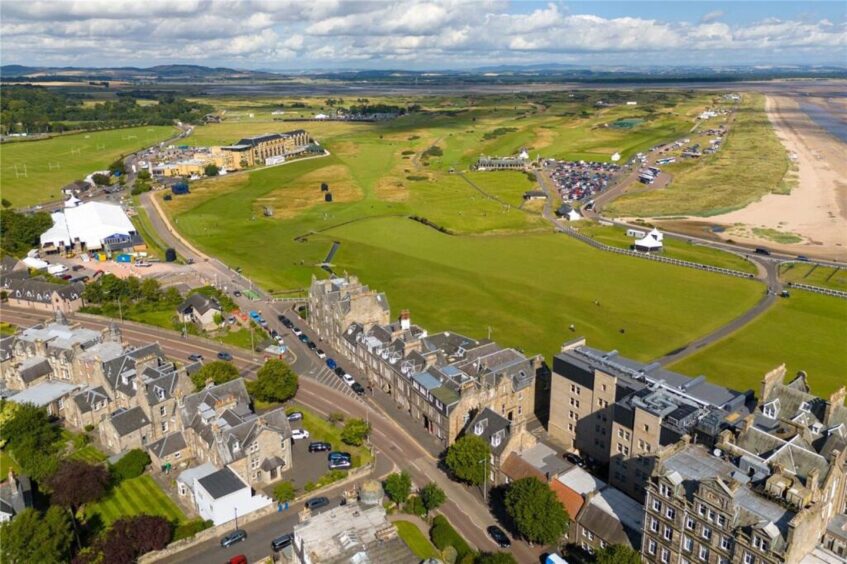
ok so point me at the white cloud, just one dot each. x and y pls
(712, 16)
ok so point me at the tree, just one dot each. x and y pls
(33, 440)
(102, 179)
(468, 458)
(355, 432)
(398, 486)
(218, 372)
(432, 497)
(143, 174)
(211, 169)
(130, 537)
(537, 513)
(617, 554)
(495, 558)
(285, 491)
(275, 381)
(7, 412)
(5, 203)
(76, 483)
(33, 537)
(131, 465)
(19, 233)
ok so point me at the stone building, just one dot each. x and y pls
(621, 414)
(338, 303)
(258, 149)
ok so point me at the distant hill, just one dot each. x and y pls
(20, 73)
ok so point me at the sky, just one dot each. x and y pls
(419, 34)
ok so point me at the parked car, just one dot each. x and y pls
(337, 455)
(321, 354)
(281, 542)
(303, 338)
(317, 503)
(349, 380)
(499, 536)
(762, 251)
(287, 322)
(223, 355)
(295, 416)
(319, 446)
(235, 536)
(195, 357)
(312, 345)
(340, 464)
(339, 371)
(238, 559)
(254, 314)
(331, 364)
(231, 320)
(574, 458)
(237, 294)
(296, 331)
(358, 388)
(298, 434)
(274, 334)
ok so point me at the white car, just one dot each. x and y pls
(299, 434)
(349, 380)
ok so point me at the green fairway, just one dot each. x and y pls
(806, 332)
(34, 172)
(137, 496)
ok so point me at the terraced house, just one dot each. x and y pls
(441, 380)
(768, 492)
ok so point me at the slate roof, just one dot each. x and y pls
(34, 368)
(168, 444)
(491, 425)
(44, 393)
(516, 468)
(199, 303)
(129, 420)
(124, 366)
(13, 501)
(269, 464)
(41, 291)
(88, 398)
(222, 483)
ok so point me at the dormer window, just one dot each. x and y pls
(235, 445)
(496, 440)
(771, 409)
(805, 407)
(160, 393)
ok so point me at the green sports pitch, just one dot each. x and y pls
(34, 172)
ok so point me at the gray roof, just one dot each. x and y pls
(34, 368)
(490, 424)
(168, 444)
(200, 303)
(187, 477)
(222, 483)
(15, 499)
(125, 421)
(41, 291)
(45, 393)
(86, 399)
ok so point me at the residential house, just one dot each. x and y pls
(15, 496)
(338, 303)
(34, 293)
(90, 406)
(222, 496)
(170, 451)
(52, 395)
(502, 440)
(125, 430)
(201, 311)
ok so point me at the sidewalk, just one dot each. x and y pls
(412, 428)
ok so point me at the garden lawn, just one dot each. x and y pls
(806, 332)
(416, 540)
(53, 163)
(90, 454)
(135, 497)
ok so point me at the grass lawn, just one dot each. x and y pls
(322, 430)
(616, 237)
(806, 331)
(53, 163)
(90, 454)
(240, 338)
(805, 273)
(135, 497)
(7, 329)
(751, 163)
(416, 540)
(155, 247)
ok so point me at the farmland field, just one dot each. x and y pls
(806, 332)
(34, 172)
(137, 496)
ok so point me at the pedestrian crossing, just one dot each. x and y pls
(328, 378)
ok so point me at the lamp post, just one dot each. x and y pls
(236, 517)
(485, 480)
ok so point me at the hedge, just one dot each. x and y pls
(443, 535)
(131, 465)
(191, 528)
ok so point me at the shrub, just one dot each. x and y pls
(80, 440)
(285, 491)
(131, 465)
(355, 431)
(89, 428)
(309, 486)
(414, 506)
(434, 151)
(336, 417)
(191, 528)
(443, 535)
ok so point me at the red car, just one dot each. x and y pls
(239, 559)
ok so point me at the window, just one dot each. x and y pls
(570, 427)
(651, 546)
(254, 463)
(760, 543)
(670, 513)
(721, 520)
(704, 554)
(687, 543)
(706, 533)
(574, 402)
(654, 525)
(689, 523)
(748, 558)
(164, 426)
(646, 428)
(574, 389)
(664, 489)
(657, 505)
(254, 447)
(668, 533)
(620, 433)
(602, 543)
(711, 516)
(602, 403)
(701, 509)
(725, 543)
(163, 411)
(588, 534)
(665, 555)
(573, 415)
(61, 403)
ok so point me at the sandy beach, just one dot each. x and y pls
(816, 208)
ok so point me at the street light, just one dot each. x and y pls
(485, 480)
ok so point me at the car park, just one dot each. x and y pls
(358, 388)
(499, 536)
(281, 542)
(295, 416)
(319, 446)
(349, 380)
(321, 354)
(195, 357)
(316, 503)
(234, 537)
(331, 364)
(297, 434)
(223, 355)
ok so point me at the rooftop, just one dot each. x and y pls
(222, 483)
(45, 393)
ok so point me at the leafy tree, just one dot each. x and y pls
(102, 179)
(211, 169)
(33, 440)
(617, 554)
(218, 372)
(432, 497)
(355, 432)
(495, 558)
(33, 537)
(218, 318)
(19, 233)
(131, 465)
(285, 491)
(468, 458)
(7, 412)
(275, 381)
(76, 483)
(130, 537)
(5, 203)
(143, 174)
(398, 486)
(537, 513)
(118, 167)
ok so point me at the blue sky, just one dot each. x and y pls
(419, 34)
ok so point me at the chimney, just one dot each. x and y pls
(770, 380)
(812, 480)
(836, 400)
(405, 320)
(12, 483)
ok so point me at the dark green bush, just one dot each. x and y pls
(443, 535)
(191, 528)
(414, 506)
(131, 465)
